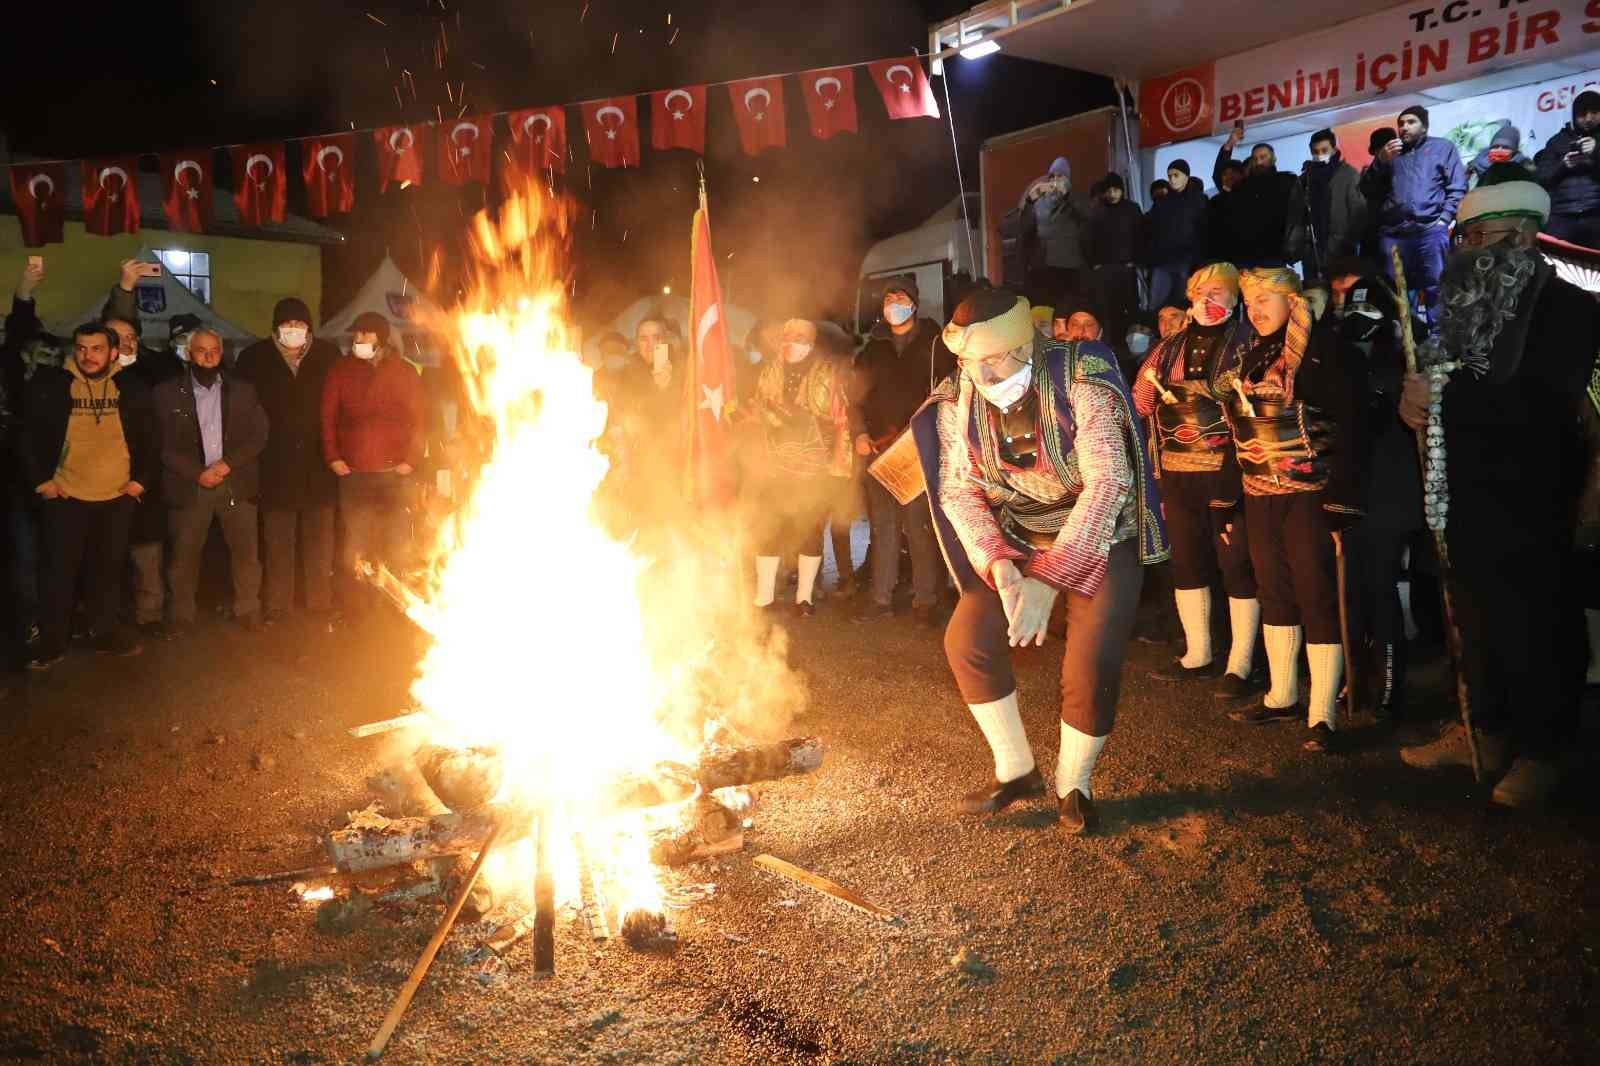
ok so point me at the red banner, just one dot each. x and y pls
(1177, 107)
(612, 127)
(399, 154)
(904, 88)
(830, 101)
(40, 193)
(328, 166)
(539, 138)
(678, 119)
(713, 395)
(260, 186)
(186, 188)
(110, 196)
(758, 111)
(464, 150)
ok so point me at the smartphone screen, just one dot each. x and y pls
(36, 262)
(660, 357)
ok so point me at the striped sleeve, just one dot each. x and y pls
(963, 501)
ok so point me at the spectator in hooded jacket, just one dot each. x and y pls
(1338, 210)
(1176, 233)
(1115, 228)
(1504, 147)
(1421, 181)
(1052, 226)
(1567, 167)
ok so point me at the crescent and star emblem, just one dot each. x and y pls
(394, 141)
(322, 158)
(110, 172)
(250, 167)
(542, 120)
(463, 150)
(905, 86)
(192, 191)
(828, 102)
(33, 187)
(688, 104)
(766, 98)
(611, 131)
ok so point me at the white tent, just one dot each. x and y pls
(392, 295)
(159, 299)
(675, 308)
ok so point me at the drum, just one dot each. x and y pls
(899, 469)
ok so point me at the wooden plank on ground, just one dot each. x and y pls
(818, 883)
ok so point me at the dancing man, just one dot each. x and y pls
(1040, 485)
(1292, 395)
(1198, 477)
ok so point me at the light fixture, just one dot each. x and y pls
(666, 290)
(756, 179)
(980, 49)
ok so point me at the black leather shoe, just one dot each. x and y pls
(1232, 687)
(1002, 794)
(1321, 739)
(805, 610)
(1176, 671)
(1264, 715)
(1077, 813)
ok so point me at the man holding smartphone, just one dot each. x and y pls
(1421, 182)
(1567, 169)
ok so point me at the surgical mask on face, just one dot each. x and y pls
(291, 336)
(181, 350)
(1362, 325)
(796, 353)
(1003, 394)
(1138, 343)
(1209, 312)
(1322, 157)
(363, 349)
(898, 314)
(1499, 155)
(126, 360)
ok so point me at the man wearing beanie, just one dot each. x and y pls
(1040, 487)
(1497, 398)
(1198, 475)
(1176, 228)
(1114, 233)
(1292, 395)
(1568, 169)
(297, 489)
(372, 409)
(1419, 182)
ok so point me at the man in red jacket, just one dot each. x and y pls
(372, 439)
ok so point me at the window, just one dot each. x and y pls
(193, 269)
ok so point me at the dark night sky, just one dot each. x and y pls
(141, 81)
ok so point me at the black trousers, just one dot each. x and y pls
(1374, 568)
(1098, 628)
(1195, 530)
(1291, 549)
(88, 540)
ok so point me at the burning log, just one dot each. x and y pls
(464, 779)
(727, 767)
(372, 841)
(714, 830)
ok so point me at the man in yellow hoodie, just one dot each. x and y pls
(88, 447)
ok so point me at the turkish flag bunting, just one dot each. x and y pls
(110, 196)
(904, 87)
(40, 193)
(758, 110)
(830, 101)
(327, 164)
(260, 186)
(186, 190)
(711, 368)
(539, 136)
(612, 127)
(399, 154)
(464, 150)
(678, 119)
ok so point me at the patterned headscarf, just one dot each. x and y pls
(1283, 282)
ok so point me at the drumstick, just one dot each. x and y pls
(1166, 396)
(1249, 408)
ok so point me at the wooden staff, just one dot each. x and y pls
(420, 970)
(1441, 546)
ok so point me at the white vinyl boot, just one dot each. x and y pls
(810, 567)
(766, 580)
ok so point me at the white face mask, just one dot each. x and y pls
(291, 337)
(126, 360)
(1138, 343)
(181, 350)
(796, 353)
(1322, 157)
(1003, 394)
(363, 349)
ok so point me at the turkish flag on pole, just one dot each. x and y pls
(830, 101)
(327, 165)
(678, 119)
(758, 110)
(186, 187)
(612, 127)
(40, 193)
(539, 137)
(904, 87)
(110, 196)
(399, 155)
(464, 150)
(711, 368)
(260, 186)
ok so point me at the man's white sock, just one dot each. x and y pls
(1079, 752)
(1194, 611)
(1283, 658)
(1001, 723)
(1245, 616)
(1327, 669)
(810, 566)
(766, 580)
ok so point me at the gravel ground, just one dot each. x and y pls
(1245, 901)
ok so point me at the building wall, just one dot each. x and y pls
(247, 276)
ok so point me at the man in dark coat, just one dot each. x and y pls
(297, 488)
(1176, 234)
(1337, 210)
(1264, 214)
(1568, 169)
(1115, 229)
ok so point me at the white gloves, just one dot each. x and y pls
(1027, 602)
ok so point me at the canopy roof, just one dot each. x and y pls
(391, 294)
(159, 300)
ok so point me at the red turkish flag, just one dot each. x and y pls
(260, 186)
(678, 119)
(399, 154)
(830, 101)
(40, 193)
(612, 127)
(110, 196)
(539, 139)
(758, 110)
(904, 87)
(713, 393)
(464, 150)
(328, 167)
(186, 188)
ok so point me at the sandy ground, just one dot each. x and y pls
(1245, 902)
